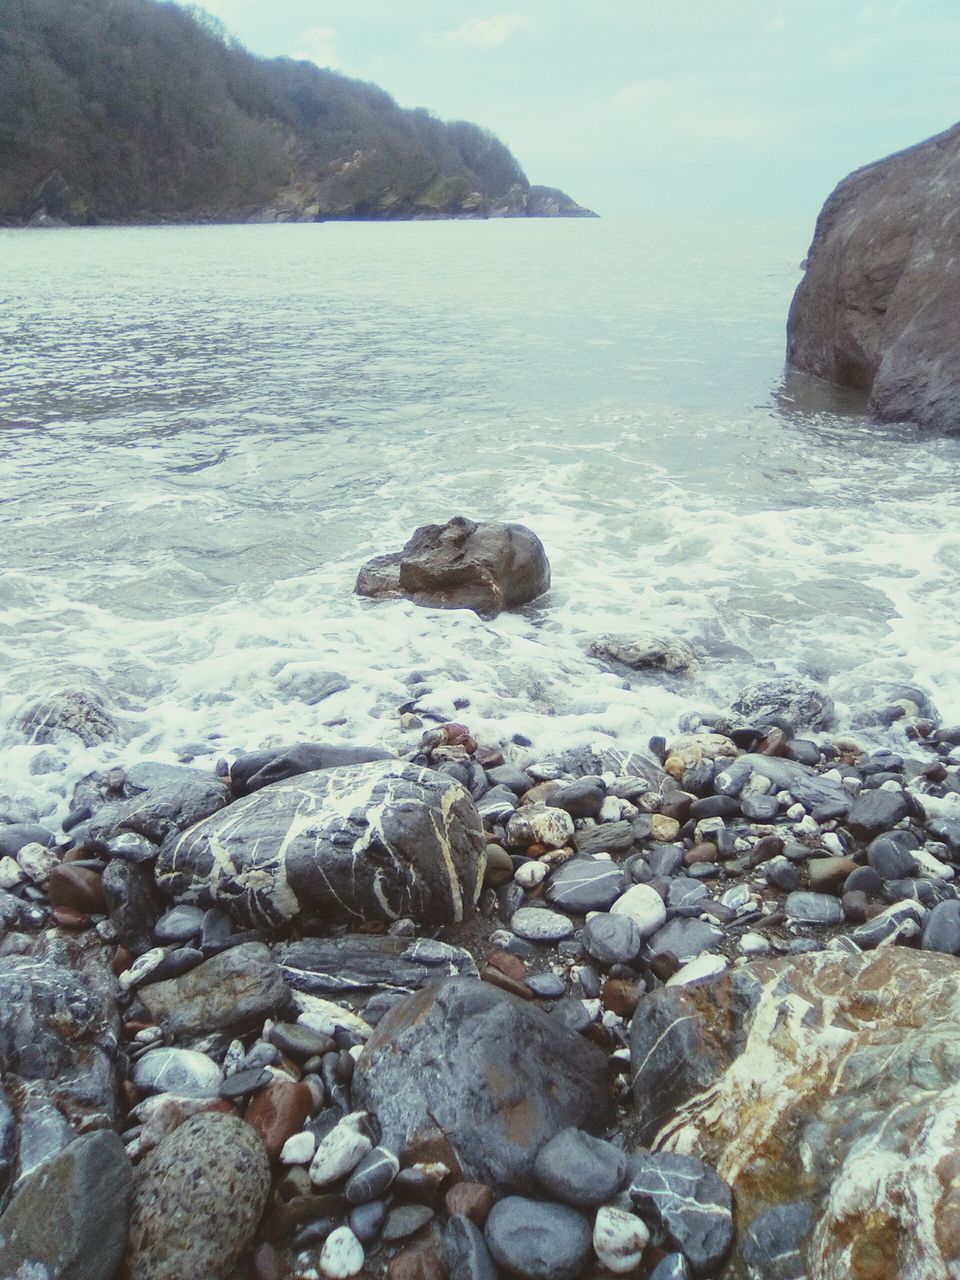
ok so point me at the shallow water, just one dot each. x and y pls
(206, 430)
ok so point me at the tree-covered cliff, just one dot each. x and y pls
(134, 110)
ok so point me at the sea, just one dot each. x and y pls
(206, 430)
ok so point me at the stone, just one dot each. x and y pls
(688, 1202)
(382, 841)
(339, 1152)
(197, 1201)
(875, 308)
(539, 824)
(546, 986)
(14, 835)
(774, 1245)
(80, 712)
(154, 801)
(648, 652)
(38, 862)
(686, 939)
(581, 799)
(256, 769)
(132, 903)
(872, 1109)
(472, 1200)
(538, 1240)
(299, 1148)
(342, 1255)
(703, 966)
(233, 991)
(664, 828)
(612, 939)
(465, 1251)
(793, 703)
(876, 811)
(619, 1239)
(76, 887)
(828, 875)
(804, 785)
(68, 1218)
(537, 924)
(405, 1220)
(356, 962)
(902, 921)
(804, 907)
(422, 1261)
(579, 1169)
(299, 1042)
(181, 1071)
(586, 884)
(181, 923)
(674, 1266)
(366, 1220)
(278, 1112)
(486, 567)
(466, 1069)
(644, 906)
(890, 860)
(605, 837)
(941, 929)
(372, 1176)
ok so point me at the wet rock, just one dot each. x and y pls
(579, 1169)
(686, 1200)
(480, 1075)
(486, 567)
(13, 837)
(197, 1201)
(612, 939)
(82, 713)
(372, 842)
(804, 785)
(361, 962)
(586, 884)
(890, 859)
(181, 923)
(792, 703)
(233, 991)
(155, 800)
(876, 811)
(813, 908)
(540, 824)
(68, 1219)
(647, 652)
(181, 1071)
(76, 887)
(278, 1112)
(775, 1243)
(256, 769)
(538, 1240)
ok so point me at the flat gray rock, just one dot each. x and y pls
(364, 962)
(586, 884)
(538, 1240)
(579, 1169)
(234, 991)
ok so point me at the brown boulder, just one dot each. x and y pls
(485, 567)
(877, 308)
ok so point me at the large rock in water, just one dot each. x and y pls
(485, 567)
(828, 1081)
(465, 1073)
(369, 842)
(877, 308)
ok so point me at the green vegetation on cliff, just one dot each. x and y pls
(134, 110)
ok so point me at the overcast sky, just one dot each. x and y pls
(641, 106)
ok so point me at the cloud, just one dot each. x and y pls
(319, 45)
(485, 32)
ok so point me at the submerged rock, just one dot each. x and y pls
(792, 703)
(372, 842)
(647, 652)
(79, 712)
(485, 567)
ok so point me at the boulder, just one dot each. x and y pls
(877, 307)
(80, 712)
(826, 1080)
(233, 991)
(485, 567)
(258, 769)
(467, 1073)
(790, 702)
(649, 652)
(68, 1219)
(154, 800)
(377, 841)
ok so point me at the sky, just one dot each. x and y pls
(650, 107)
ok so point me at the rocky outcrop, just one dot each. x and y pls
(371, 842)
(486, 567)
(877, 308)
(473, 1076)
(826, 1083)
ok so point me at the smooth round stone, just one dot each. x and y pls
(530, 874)
(903, 920)
(619, 1239)
(759, 808)
(539, 824)
(342, 1255)
(245, 1082)
(338, 1154)
(366, 1220)
(705, 966)
(941, 930)
(181, 1071)
(375, 1172)
(782, 874)
(278, 1112)
(538, 1240)
(77, 887)
(890, 860)
(586, 884)
(536, 924)
(612, 939)
(546, 986)
(813, 908)
(180, 924)
(465, 1251)
(579, 1169)
(686, 939)
(299, 1148)
(644, 906)
(405, 1220)
(472, 1200)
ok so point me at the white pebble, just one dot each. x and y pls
(644, 906)
(10, 873)
(141, 968)
(932, 868)
(754, 944)
(891, 784)
(619, 1239)
(784, 799)
(341, 1255)
(529, 874)
(833, 775)
(852, 785)
(339, 1153)
(611, 809)
(807, 826)
(705, 966)
(796, 812)
(299, 1149)
(36, 863)
(833, 842)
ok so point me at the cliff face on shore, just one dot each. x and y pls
(138, 111)
(877, 308)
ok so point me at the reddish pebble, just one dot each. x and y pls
(509, 964)
(498, 979)
(70, 918)
(773, 743)
(701, 853)
(122, 959)
(621, 997)
(278, 1112)
(489, 757)
(77, 887)
(424, 1262)
(473, 1199)
(458, 735)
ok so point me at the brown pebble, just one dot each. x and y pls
(489, 757)
(458, 735)
(279, 1111)
(621, 996)
(664, 965)
(766, 847)
(122, 959)
(70, 918)
(77, 887)
(498, 979)
(473, 1199)
(421, 1262)
(706, 852)
(828, 874)
(773, 743)
(268, 1264)
(507, 963)
(936, 772)
(855, 905)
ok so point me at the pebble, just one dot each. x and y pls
(580, 1169)
(181, 1071)
(546, 986)
(903, 920)
(299, 1149)
(536, 924)
(813, 908)
(181, 923)
(11, 873)
(473, 1200)
(530, 874)
(366, 1220)
(405, 1220)
(372, 1176)
(586, 884)
(688, 1201)
(539, 824)
(538, 1240)
(686, 939)
(465, 1251)
(278, 1112)
(342, 1255)
(36, 862)
(339, 1152)
(619, 1239)
(612, 939)
(663, 828)
(242, 1083)
(644, 906)
(707, 966)
(76, 887)
(890, 859)
(941, 930)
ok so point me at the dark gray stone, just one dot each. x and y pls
(546, 986)
(586, 884)
(686, 939)
(366, 1220)
(371, 842)
(181, 923)
(804, 907)
(466, 1068)
(485, 567)
(257, 769)
(673, 1266)
(68, 1219)
(465, 1251)
(890, 859)
(497, 804)
(874, 812)
(688, 1201)
(773, 1247)
(605, 837)
(245, 1082)
(370, 1179)
(572, 1014)
(156, 800)
(233, 991)
(364, 962)
(15, 835)
(538, 1240)
(664, 860)
(941, 930)
(133, 904)
(790, 702)
(685, 892)
(760, 808)
(405, 1219)
(805, 786)
(864, 880)
(580, 1169)
(903, 920)
(509, 776)
(582, 799)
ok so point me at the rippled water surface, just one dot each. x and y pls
(206, 430)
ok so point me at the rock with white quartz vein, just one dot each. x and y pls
(688, 1202)
(827, 1080)
(368, 842)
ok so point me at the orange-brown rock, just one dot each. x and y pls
(473, 1199)
(278, 1112)
(70, 918)
(507, 963)
(77, 887)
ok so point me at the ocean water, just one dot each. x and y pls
(204, 432)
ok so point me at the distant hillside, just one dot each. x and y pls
(138, 111)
